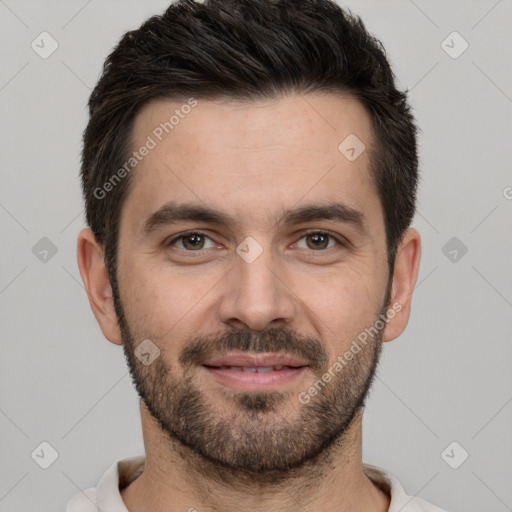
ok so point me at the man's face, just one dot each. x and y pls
(258, 285)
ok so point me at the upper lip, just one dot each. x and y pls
(255, 360)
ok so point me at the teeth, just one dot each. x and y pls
(259, 369)
(265, 369)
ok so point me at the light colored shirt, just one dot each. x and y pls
(106, 495)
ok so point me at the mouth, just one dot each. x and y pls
(255, 371)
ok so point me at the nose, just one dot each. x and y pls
(257, 294)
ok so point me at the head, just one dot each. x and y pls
(249, 171)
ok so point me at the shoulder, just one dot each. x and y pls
(106, 494)
(420, 505)
(400, 501)
(83, 501)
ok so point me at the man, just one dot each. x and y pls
(249, 172)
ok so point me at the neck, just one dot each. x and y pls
(176, 478)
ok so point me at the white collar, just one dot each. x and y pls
(107, 497)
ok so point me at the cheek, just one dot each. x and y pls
(166, 302)
(343, 303)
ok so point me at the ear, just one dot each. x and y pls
(405, 273)
(95, 277)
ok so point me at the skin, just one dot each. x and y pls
(255, 161)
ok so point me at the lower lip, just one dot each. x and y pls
(254, 380)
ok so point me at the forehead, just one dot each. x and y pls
(254, 160)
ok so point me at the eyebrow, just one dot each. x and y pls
(174, 212)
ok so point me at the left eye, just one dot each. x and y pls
(318, 240)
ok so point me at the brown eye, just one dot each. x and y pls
(318, 240)
(192, 242)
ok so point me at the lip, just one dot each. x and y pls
(251, 381)
(255, 360)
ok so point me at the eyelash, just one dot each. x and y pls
(340, 241)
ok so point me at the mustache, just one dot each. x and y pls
(276, 340)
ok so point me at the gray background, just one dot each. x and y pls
(446, 379)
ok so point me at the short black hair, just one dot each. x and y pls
(246, 50)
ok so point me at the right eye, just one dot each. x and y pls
(192, 241)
